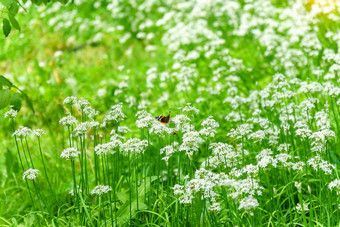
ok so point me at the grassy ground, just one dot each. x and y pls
(253, 138)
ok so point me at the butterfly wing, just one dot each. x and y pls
(163, 119)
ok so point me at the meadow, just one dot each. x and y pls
(170, 113)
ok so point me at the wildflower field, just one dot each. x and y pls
(170, 113)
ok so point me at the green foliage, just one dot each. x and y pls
(11, 8)
(5, 96)
(6, 27)
(12, 98)
(15, 101)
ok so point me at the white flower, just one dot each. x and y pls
(298, 186)
(68, 121)
(71, 100)
(123, 130)
(169, 150)
(11, 114)
(70, 153)
(93, 124)
(110, 147)
(210, 122)
(115, 136)
(317, 163)
(144, 120)
(101, 189)
(241, 131)
(283, 158)
(284, 147)
(179, 120)
(78, 190)
(303, 132)
(30, 174)
(189, 108)
(22, 132)
(225, 154)
(38, 132)
(159, 129)
(135, 146)
(81, 129)
(210, 126)
(178, 189)
(115, 114)
(257, 136)
(191, 142)
(82, 104)
(215, 207)
(335, 184)
(90, 112)
(299, 208)
(248, 203)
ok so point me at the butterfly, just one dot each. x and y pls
(163, 119)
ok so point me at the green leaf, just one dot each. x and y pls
(29, 102)
(6, 27)
(15, 101)
(13, 9)
(5, 96)
(11, 162)
(6, 82)
(123, 196)
(124, 211)
(14, 22)
(7, 3)
(144, 188)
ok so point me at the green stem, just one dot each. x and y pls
(75, 191)
(48, 181)
(29, 153)
(130, 185)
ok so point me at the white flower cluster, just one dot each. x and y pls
(82, 104)
(190, 109)
(144, 119)
(134, 145)
(11, 114)
(241, 131)
(191, 143)
(224, 155)
(115, 114)
(300, 208)
(22, 132)
(81, 129)
(209, 127)
(335, 185)
(101, 189)
(248, 203)
(68, 121)
(317, 164)
(180, 121)
(204, 181)
(70, 152)
(78, 191)
(30, 174)
(110, 147)
(70, 100)
(169, 150)
(159, 129)
(38, 132)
